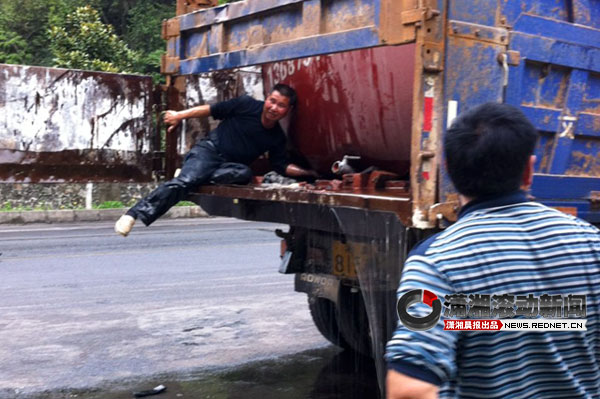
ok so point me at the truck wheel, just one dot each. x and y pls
(353, 322)
(346, 324)
(323, 314)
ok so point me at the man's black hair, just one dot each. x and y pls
(287, 91)
(487, 149)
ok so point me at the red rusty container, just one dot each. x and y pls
(357, 103)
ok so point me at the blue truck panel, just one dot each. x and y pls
(255, 32)
(554, 81)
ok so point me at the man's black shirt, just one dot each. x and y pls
(242, 138)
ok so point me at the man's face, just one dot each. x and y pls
(276, 106)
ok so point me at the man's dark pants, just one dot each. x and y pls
(203, 164)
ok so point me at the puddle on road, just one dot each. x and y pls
(324, 373)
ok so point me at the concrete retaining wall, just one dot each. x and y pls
(70, 195)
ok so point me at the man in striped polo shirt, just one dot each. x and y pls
(501, 244)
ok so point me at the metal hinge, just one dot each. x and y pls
(169, 65)
(170, 28)
(508, 58)
(418, 15)
(410, 13)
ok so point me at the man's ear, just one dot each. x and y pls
(528, 172)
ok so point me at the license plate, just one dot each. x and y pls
(347, 257)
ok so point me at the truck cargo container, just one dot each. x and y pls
(379, 81)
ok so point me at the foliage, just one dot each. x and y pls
(13, 48)
(144, 34)
(24, 26)
(109, 205)
(186, 203)
(83, 41)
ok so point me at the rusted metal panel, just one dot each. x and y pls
(71, 125)
(401, 18)
(356, 103)
(427, 120)
(187, 6)
(255, 32)
(375, 200)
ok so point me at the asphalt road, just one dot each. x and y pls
(81, 307)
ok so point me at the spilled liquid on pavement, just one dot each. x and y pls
(326, 373)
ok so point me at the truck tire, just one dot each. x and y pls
(323, 313)
(344, 324)
(353, 321)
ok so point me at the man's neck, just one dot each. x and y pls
(464, 200)
(267, 124)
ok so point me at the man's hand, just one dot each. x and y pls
(400, 386)
(172, 118)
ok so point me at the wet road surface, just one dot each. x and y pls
(196, 305)
(326, 373)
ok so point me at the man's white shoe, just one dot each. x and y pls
(124, 225)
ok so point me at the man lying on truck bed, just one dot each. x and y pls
(503, 248)
(248, 129)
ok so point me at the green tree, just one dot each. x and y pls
(144, 34)
(13, 48)
(83, 41)
(24, 29)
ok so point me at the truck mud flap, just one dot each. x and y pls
(318, 285)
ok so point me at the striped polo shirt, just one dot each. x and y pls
(506, 245)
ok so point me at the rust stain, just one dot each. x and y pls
(546, 156)
(280, 34)
(67, 125)
(561, 94)
(311, 19)
(395, 200)
(591, 106)
(255, 35)
(201, 49)
(596, 124)
(349, 18)
(567, 209)
(314, 21)
(546, 119)
(584, 165)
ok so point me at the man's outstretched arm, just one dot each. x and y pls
(174, 117)
(401, 386)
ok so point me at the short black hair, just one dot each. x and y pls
(287, 91)
(487, 149)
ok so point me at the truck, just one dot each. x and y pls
(379, 82)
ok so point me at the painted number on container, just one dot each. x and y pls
(280, 71)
